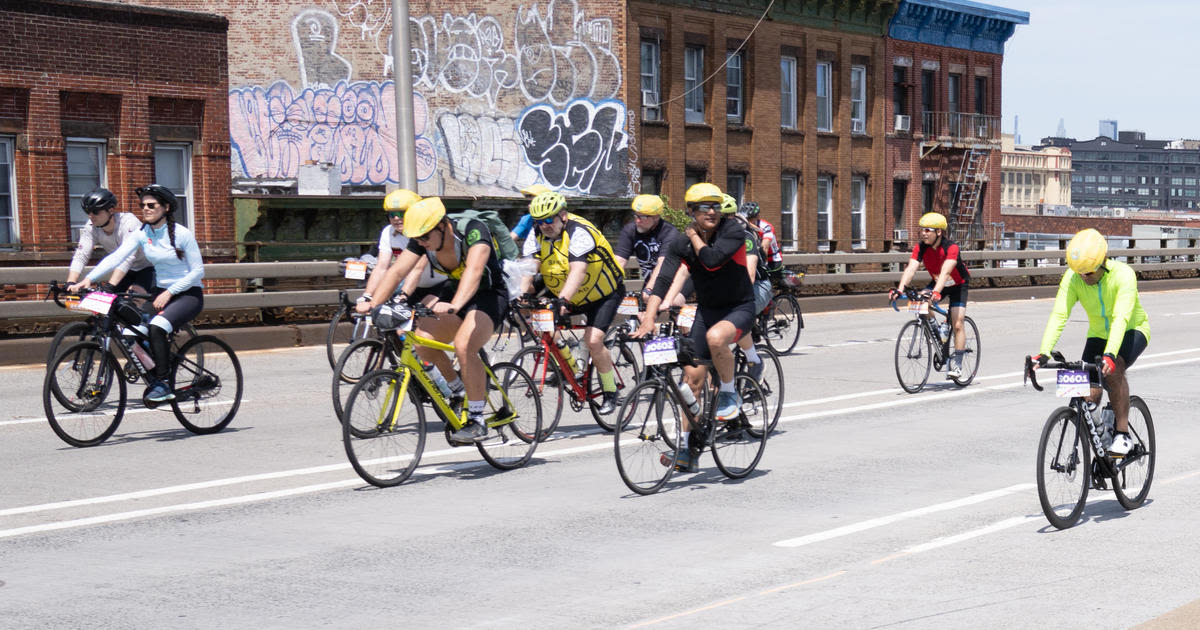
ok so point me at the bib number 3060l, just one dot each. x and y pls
(1072, 383)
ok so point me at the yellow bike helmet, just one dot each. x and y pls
(703, 192)
(649, 205)
(546, 205)
(1086, 251)
(399, 200)
(534, 190)
(423, 216)
(933, 220)
(728, 205)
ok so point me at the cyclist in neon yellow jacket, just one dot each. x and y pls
(1118, 328)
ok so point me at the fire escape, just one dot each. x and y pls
(977, 136)
(968, 191)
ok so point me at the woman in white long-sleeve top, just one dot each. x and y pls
(107, 229)
(178, 295)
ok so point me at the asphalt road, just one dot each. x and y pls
(871, 508)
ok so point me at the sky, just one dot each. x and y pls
(1089, 60)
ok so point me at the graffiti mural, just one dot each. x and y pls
(485, 151)
(274, 130)
(583, 148)
(315, 34)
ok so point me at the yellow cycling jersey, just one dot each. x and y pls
(1112, 306)
(554, 256)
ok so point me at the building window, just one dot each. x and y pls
(651, 182)
(85, 172)
(173, 169)
(899, 90)
(858, 212)
(928, 192)
(692, 176)
(787, 92)
(693, 86)
(824, 205)
(8, 214)
(824, 97)
(953, 94)
(858, 99)
(651, 86)
(735, 89)
(981, 95)
(927, 102)
(789, 188)
(735, 186)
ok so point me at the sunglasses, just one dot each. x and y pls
(705, 207)
(643, 216)
(91, 212)
(426, 236)
(923, 230)
(396, 215)
(152, 205)
(549, 221)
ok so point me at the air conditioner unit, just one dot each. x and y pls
(650, 109)
(903, 123)
(982, 132)
(900, 235)
(858, 126)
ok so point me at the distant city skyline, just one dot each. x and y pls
(1087, 61)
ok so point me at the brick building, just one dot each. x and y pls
(943, 114)
(98, 94)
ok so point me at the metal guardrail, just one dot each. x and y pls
(823, 269)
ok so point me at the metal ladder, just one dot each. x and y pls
(975, 161)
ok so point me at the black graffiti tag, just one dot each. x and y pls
(583, 148)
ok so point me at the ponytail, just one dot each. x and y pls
(170, 216)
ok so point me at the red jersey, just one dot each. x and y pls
(933, 258)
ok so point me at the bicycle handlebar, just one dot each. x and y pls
(55, 290)
(1059, 363)
(912, 295)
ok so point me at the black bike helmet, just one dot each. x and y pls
(161, 193)
(749, 209)
(97, 200)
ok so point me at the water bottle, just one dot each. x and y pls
(581, 353)
(565, 350)
(944, 330)
(1108, 419)
(138, 348)
(435, 375)
(689, 398)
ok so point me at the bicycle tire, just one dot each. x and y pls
(68, 334)
(771, 383)
(972, 353)
(549, 382)
(737, 444)
(337, 339)
(206, 378)
(783, 334)
(383, 443)
(83, 373)
(1138, 465)
(1063, 492)
(914, 357)
(626, 370)
(644, 447)
(513, 432)
(359, 358)
(509, 339)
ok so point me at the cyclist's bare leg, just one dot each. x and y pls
(719, 336)
(475, 331)
(442, 329)
(1118, 395)
(956, 320)
(594, 338)
(693, 377)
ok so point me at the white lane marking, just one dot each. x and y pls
(887, 520)
(944, 541)
(128, 412)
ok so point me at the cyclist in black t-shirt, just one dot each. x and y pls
(645, 239)
(472, 301)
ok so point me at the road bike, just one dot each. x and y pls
(77, 392)
(1072, 455)
(513, 335)
(384, 439)
(647, 442)
(346, 327)
(84, 329)
(926, 342)
(561, 379)
(781, 322)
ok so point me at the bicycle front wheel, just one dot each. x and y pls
(360, 357)
(1064, 468)
(1135, 472)
(914, 357)
(549, 383)
(75, 394)
(784, 323)
(509, 339)
(970, 355)
(649, 426)
(514, 418)
(738, 443)
(383, 441)
(207, 381)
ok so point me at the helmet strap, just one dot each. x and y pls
(110, 220)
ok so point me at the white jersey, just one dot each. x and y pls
(91, 237)
(393, 243)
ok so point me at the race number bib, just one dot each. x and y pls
(356, 270)
(629, 306)
(1072, 383)
(659, 351)
(687, 316)
(543, 320)
(921, 307)
(97, 302)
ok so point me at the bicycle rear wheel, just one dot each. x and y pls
(75, 394)
(784, 323)
(207, 381)
(626, 372)
(510, 338)
(70, 333)
(344, 329)
(514, 418)
(771, 381)
(360, 357)
(549, 384)
(914, 357)
(383, 435)
(1134, 474)
(971, 353)
(1064, 468)
(738, 443)
(649, 422)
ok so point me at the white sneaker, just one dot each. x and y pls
(953, 372)
(1121, 445)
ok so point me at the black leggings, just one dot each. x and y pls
(182, 309)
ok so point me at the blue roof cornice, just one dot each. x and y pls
(956, 23)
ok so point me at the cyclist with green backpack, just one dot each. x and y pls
(472, 301)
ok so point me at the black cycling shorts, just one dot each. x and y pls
(957, 294)
(740, 315)
(1132, 346)
(600, 314)
(182, 308)
(143, 277)
(492, 303)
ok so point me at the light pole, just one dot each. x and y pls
(406, 150)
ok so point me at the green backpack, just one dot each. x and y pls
(502, 240)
